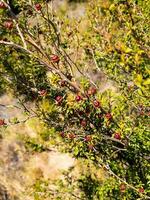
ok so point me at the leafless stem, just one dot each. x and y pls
(47, 65)
(16, 23)
(21, 35)
(113, 139)
(15, 45)
(95, 60)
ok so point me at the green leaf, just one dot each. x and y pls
(146, 82)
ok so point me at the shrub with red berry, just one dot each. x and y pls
(65, 79)
(2, 5)
(38, 6)
(59, 99)
(8, 25)
(42, 93)
(96, 104)
(117, 136)
(78, 98)
(54, 58)
(2, 122)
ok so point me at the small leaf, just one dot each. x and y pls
(146, 82)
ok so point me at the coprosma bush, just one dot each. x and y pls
(45, 59)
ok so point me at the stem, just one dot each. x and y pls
(21, 35)
(121, 180)
(16, 23)
(47, 65)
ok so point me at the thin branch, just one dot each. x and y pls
(47, 65)
(15, 45)
(118, 149)
(21, 121)
(16, 23)
(9, 8)
(21, 35)
(95, 61)
(113, 139)
(53, 26)
(36, 46)
(51, 23)
(107, 167)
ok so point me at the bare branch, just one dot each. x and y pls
(21, 35)
(16, 23)
(47, 65)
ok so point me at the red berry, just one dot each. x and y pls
(42, 93)
(141, 190)
(78, 98)
(142, 113)
(2, 122)
(90, 146)
(38, 7)
(2, 5)
(117, 136)
(87, 138)
(83, 123)
(108, 116)
(72, 135)
(122, 187)
(8, 25)
(54, 58)
(59, 99)
(96, 104)
(62, 134)
(92, 91)
(63, 83)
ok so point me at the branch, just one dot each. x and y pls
(15, 45)
(21, 35)
(16, 23)
(121, 180)
(94, 59)
(47, 65)
(53, 26)
(113, 139)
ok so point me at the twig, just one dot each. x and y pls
(16, 23)
(118, 149)
(95, 60)
(22, 121)
(15, 45)
(21, 35)
(47, 65)
(113, 139)
(53, 26)
(121, 180)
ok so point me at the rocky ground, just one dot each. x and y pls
(19, 168)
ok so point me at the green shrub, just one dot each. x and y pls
(110, 128)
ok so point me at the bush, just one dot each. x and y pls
(110, 128)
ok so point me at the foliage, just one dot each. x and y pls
(109, 128)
